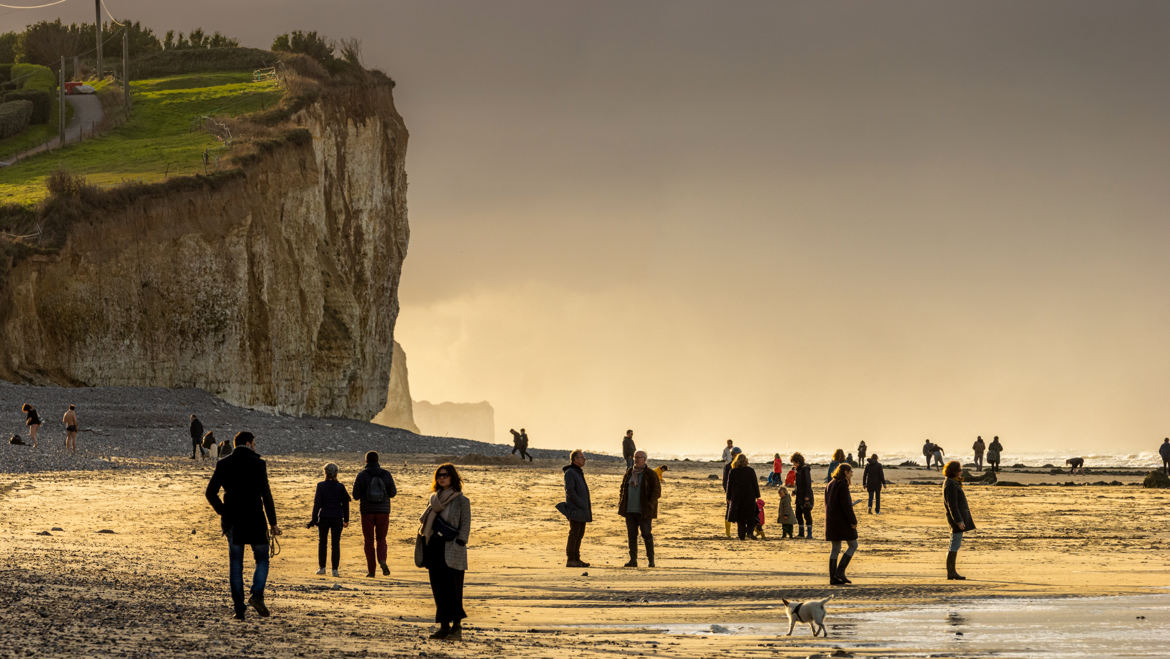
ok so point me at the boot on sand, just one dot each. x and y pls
(952, 573)
(841, 569)
(833, 579)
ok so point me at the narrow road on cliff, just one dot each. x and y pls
(87, 114)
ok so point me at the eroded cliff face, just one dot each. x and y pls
(277, 288)
(398, 412)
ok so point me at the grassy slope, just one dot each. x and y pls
(34, 135)
(162, 138)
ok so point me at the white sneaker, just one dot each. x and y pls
(322, 571)
(336, 574)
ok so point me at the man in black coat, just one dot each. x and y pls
(578, 507)
(628, 449)
(873, 479)
(1164, 450)
(247, 501)
(373, 489)
(196, 437)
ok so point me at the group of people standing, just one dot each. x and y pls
(248, 519)
(33, 421)
(638, 495)
(993, 453)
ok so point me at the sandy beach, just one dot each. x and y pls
(157, 585)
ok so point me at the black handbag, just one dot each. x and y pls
(443, 529)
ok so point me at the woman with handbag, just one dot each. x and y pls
(441, 547)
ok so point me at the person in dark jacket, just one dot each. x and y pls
(247, 501)
(373, 489)
(861, 450)
(628, 449)
(728, 520)
(330, 515)
(993, 451)
(445, 557)
(958, 515)
(1164, 450)
(979, 447)
(33, 421)
(873, 479)
(840, 523)
(803, 498)
(524, 445)
(743, 488)
(638, 503)
(577, 507)
(196, 431)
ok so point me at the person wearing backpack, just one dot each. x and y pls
(373, 489)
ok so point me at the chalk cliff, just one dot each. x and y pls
(272, 286)
(398, 412)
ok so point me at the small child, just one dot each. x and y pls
(758, 532)
(786, 518)
(790, 478)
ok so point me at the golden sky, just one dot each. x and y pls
(797, 225)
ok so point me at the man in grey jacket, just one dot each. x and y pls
(577, 507)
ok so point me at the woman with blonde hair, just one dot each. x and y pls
(840, 523)
(743, 488)
(445, 526)
(958, 515)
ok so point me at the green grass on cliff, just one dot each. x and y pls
(164, 136)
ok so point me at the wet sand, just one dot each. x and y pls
(158, 584)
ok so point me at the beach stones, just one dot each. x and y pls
(1156, 478)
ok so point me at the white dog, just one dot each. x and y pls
(812, 612)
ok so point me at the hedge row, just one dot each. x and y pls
(201, 60)
(14, 116)
(5, 72)
(34, 76)
(42, 103)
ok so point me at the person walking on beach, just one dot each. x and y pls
(196, 432)
(524, 445)
(515, 442)
(628, 449)
(873, 479)
(70, 421)
(938, 456)
(727, 456)
(840, 523)
(958, 515)
(330, 515)
(743, 488)
(804, 495)
(638, 503)
(1075, 465)
(445, 528)
(373, 489)
(861, 451)
(785, 518)
(1164, 450)
(32, 420)
(993, 451)
(247, 502)
(979, 447)
(928, 452)
(777, 475)
(578, 507)
(838, 459)
(727, 518)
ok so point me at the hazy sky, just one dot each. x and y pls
(797, 225)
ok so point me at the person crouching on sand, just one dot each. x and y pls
(638, 503)
(840, 523)
(330, 515)
(446, 526)
(786, 517)
(578, 507)
(958, 515)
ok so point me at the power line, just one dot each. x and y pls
(49, 4)
(108, 13)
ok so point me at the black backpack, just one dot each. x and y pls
(376, 490)
(16, 440)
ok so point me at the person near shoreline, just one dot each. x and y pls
(628, 449)
(247, 502)
(70, 421)
(373, 489)
(638, 503)
(578, 507)
(862, 449)
(32, 420)
(790, 478)
(840, 523)
(938, 456)
(1164, 450)
(727, 518)
(196, 432)
(727, 456)
(446, 526)
(979, 447)
(993, 451)
(785, 517)
(659, 471)
(330, 515)
(928, 452)
(515, 442)
(524, 445)
(743, 488)
(958, 515)
(873, 479)
(1075, 465)
(804, 495)
(838, 459)
(776, 477)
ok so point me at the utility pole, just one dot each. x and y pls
(97, 5)
(126, 68)
(61, 104)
